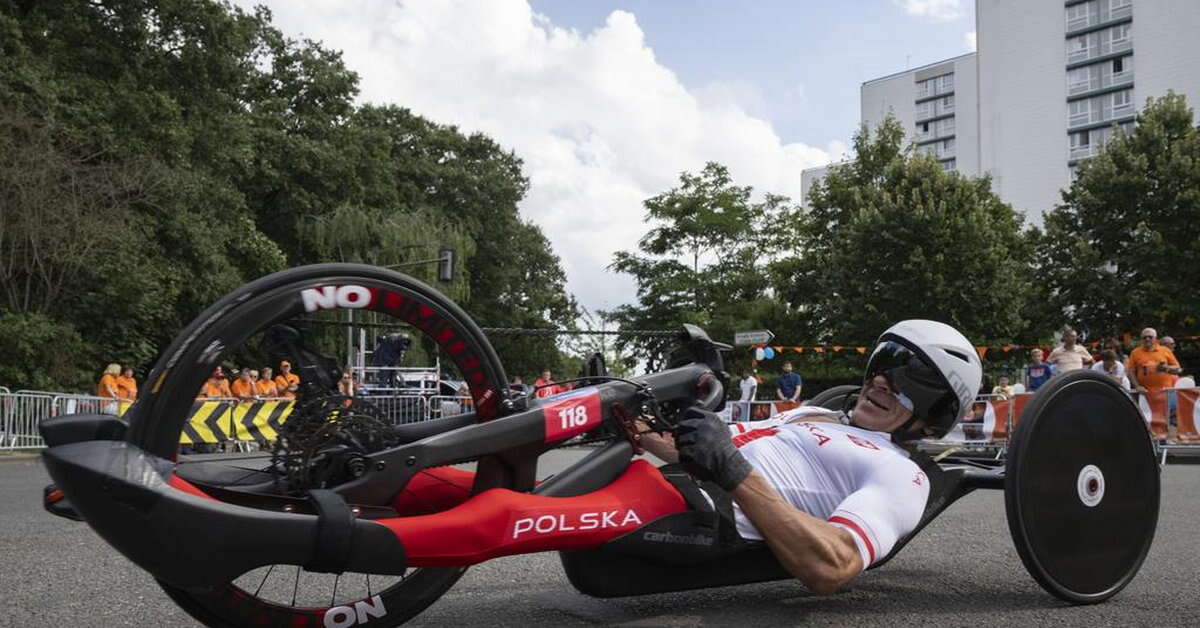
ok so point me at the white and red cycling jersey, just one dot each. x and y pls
(853, 478)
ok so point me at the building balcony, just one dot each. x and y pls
(1100, 49)
(1102, 17)
(1100, 116)
(1102, 82)
(1083, 152)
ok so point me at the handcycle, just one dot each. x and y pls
(348, 492)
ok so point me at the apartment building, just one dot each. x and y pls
(1049, 83)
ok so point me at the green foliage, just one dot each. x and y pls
(156, 154)
(1120, 251)
(42, 354)
(705, 260)
(891, 235)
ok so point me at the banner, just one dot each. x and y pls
(1187, 414)
(1154, 410)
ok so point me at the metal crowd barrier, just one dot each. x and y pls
(986, 427)
(19, 416)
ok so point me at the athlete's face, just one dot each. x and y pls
(878, 408)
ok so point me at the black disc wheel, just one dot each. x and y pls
(322, 320)
(1082, 488)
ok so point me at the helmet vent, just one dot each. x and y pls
(959, 356)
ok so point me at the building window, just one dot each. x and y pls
(947, 83)
(1122, 103)
(1079, 112)
(1118, 35)
(1079, 15)
(1118, 65)
(923, 88)
(949, 164)
(948, 104)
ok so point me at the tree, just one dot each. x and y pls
(164, 152)
(891, 235)
(704, 261)
(1120, 250)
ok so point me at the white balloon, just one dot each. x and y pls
(758, 353)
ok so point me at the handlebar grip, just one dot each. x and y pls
(712, 392)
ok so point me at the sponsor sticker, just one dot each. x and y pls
(571, 413)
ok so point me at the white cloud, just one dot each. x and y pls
(969, 41)
(937, 10)
(600, 124)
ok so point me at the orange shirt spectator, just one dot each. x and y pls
(266, 386)
(243, 386)
(287, 382)
(127, 385)
(1151, 366)
(108, 386)
(216, 385)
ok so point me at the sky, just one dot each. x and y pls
(608, 102)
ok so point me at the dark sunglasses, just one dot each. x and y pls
(909, 373)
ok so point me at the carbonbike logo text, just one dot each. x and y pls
(685, 539)
(360, 613)
(547, 524)
(332, 297)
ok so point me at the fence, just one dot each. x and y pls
(211, 421)
(1172, 415)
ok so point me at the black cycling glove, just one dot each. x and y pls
(706, 450)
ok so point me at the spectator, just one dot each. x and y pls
(1112, 366)
(788, 385)
(266, 386)
(287, 382)
(465, 402)
(550, 387)
(517, 386)
(216, 386)
(1150, 364)
(749, 387)
(1003, 388)
(243, 386)
(127, 385)
(1037, 372)
(108, 386)
(346, 383)
(1069, 356)
(1169, 343)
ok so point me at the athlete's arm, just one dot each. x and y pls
(822, 556)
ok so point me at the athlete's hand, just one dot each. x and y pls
(706, 450)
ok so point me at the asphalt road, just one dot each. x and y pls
(961, 571)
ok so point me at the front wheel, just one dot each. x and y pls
(304, 316)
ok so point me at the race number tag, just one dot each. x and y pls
(571, 413)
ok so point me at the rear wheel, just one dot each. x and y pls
(298, 315)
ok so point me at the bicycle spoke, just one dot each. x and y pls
(368, 586)
(333, 598)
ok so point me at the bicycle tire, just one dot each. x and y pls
(157, 420)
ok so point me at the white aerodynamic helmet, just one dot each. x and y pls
(934, 366)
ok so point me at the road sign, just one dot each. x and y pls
(755, 337)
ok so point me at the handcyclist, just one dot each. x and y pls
(832, 492)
